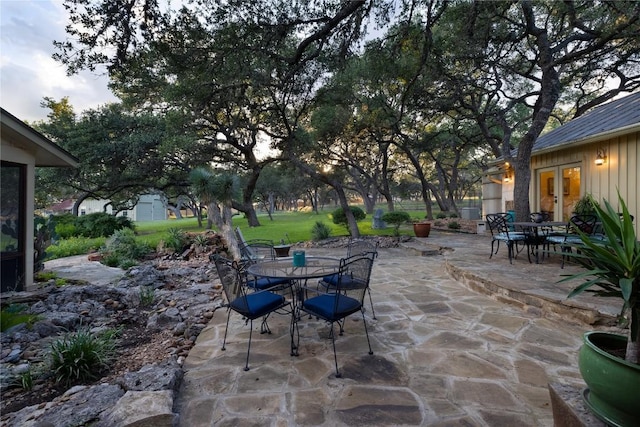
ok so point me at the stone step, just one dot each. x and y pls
(420, 247)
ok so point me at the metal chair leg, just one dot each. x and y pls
(373, 312)
(226, 329)
(246, 367)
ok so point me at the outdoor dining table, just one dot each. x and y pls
(537, 233)
(284, 268)
(315, 267)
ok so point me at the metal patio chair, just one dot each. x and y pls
(355, 247)
(252, 305)
(342, 301)
(585, 223)
(501, 231)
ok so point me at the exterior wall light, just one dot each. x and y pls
(601, 158)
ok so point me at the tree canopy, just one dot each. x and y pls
(438, 85)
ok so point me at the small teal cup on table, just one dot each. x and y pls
(298, 258)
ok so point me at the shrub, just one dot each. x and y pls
(64, 225)
(26, 380)
(44, 229)
(201, 240)
(340, 218)
(122, 249)
(441, 215)
(74, 246)
(65, 231)
(176, 239)
(454, 225)
(397, 219)
(453, 215)
(81, 356)
(320, 231)
(101, 224)
(14, 315)
(147, 295)
(44, 276)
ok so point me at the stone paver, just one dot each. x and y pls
(459, 340)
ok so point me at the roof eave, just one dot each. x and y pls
(46, 152)
(590, 139)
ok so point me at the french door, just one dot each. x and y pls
(558, 190)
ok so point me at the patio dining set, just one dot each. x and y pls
(329, 288)
(541, 232)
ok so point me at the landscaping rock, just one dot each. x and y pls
(157, 333)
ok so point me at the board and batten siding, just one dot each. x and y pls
(620, 170)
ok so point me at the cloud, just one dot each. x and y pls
(27, 71)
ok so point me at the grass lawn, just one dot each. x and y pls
(288, 226)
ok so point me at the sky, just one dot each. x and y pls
(27, 71)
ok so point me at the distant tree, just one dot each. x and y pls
(118, 153)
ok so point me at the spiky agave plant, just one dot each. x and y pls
(613, 266)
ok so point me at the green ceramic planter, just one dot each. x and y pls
(613, 392)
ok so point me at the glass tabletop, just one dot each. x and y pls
(315, 266)
(540, 224)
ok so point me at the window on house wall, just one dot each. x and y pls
(12, 225)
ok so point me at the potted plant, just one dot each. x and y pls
(422, 228)
(609, 363)
(585, 205)
(282, 250)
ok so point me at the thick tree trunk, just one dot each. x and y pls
(545, 103)
(176, 211)
(424, 185)
(337, 187)
(78, 202)
(222, 218)
(352, 224)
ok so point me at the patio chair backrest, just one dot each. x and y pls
(361, 247)
(240, 237)
(355, 272)
(254, 249)
(231, 278)
(498, 223)
(257, 251)
(585, 223)
(541, 216)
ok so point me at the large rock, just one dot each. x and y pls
(128, 410)
(78, 406)
(166, 376)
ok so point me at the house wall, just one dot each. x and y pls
(14, 154)
(620, 171)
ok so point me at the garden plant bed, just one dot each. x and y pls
(185, 295)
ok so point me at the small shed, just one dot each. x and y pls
(150, 207)
(23, 148)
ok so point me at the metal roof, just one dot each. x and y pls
(618, 115)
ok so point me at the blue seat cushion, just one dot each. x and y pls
(331, 279)
(347, 282)
(510, 236)
(325, 306)
(266, 282)
(257, 304)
